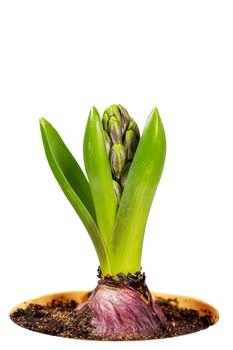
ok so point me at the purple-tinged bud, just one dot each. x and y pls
(117, 190)
(124, 174)
(117, 159)
(133, 126)
(115, 131)
(125, 118)
(108, 142)
(130, 144)
(112, 111)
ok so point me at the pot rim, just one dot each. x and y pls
(203, 308)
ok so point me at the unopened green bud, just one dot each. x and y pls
(130, 144)
(117, 159)
(117, 190)
(124, 174)
(133, 126)
(115, 131)
(108, 142)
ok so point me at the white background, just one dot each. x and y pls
(58, 58)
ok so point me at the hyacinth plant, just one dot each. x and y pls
(113, 201)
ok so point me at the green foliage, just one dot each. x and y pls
(115, 221)
(74, 185)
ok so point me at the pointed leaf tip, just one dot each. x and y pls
(154, 114)
(42, 121)
(93, 112)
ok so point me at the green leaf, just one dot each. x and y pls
(99, 175)
(64, 164)
(138, 194)
(74, 185)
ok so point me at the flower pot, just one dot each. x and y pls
(201, 307)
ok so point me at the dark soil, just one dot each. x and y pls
(58, 318)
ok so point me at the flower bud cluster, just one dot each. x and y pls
(121, 135)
